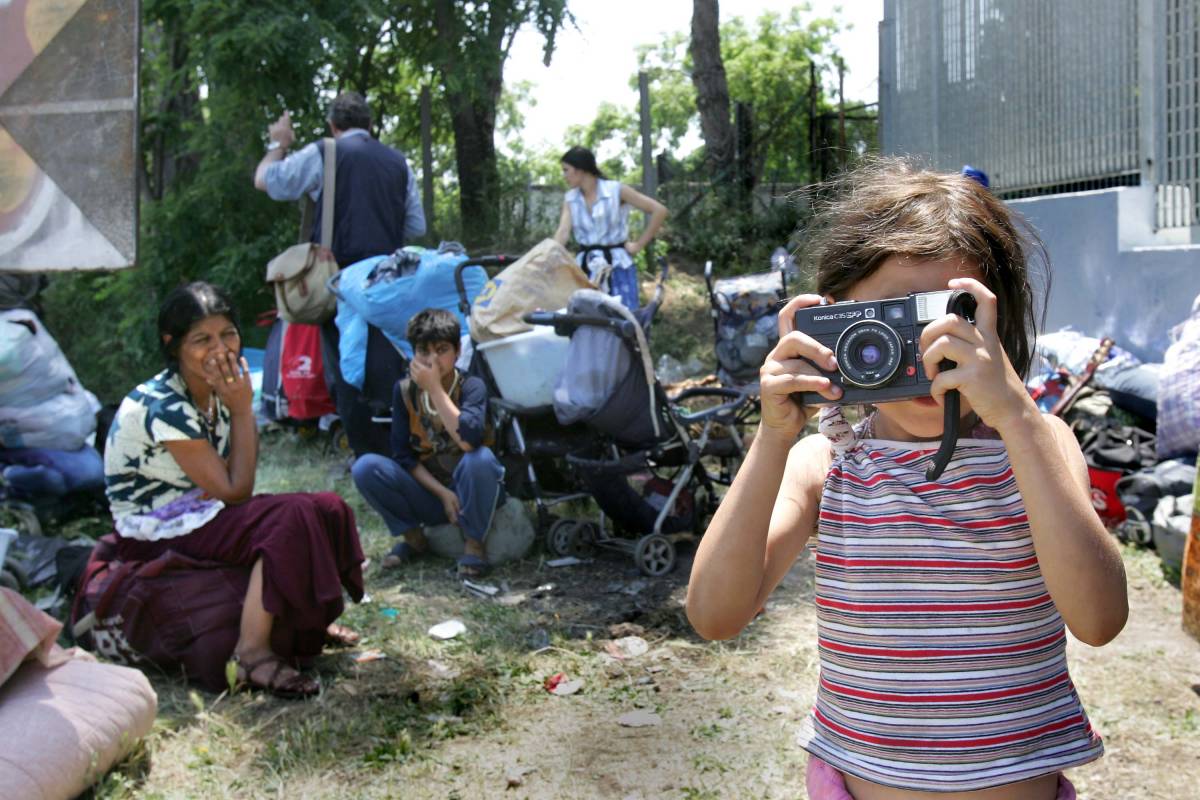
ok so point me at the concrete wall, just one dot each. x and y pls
(1112, 274)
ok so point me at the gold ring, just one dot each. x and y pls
(229, 380)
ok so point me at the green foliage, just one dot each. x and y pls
(767, 68)
(214, 75)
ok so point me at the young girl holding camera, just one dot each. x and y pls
(940, 605)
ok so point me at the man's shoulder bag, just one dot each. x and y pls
(301, 272)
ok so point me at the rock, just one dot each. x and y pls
(510, 538)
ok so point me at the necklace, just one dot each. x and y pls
(427, 406)
(209, 416)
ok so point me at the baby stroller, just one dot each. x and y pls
(610, 388)
(611, 420)
(744, 311)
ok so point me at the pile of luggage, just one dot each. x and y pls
(1138, 425)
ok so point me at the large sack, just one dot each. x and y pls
(387, 291)
(1179, 390)
(544, 278)
(32, 367)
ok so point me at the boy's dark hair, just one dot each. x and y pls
(183, 307)
(350, 110)
(434, 325)
(897, 206)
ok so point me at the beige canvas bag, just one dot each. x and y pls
(300, 273)
(544, 278)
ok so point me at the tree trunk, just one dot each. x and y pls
(478, 175)
(712, 90)
(473, 116)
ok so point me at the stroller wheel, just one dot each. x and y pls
(560, 537)
(655, 555)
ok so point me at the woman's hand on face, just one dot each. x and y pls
(982, 372)
(788, 369)
(229, 378)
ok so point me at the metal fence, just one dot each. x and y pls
(1179, 178)
(1049, 96)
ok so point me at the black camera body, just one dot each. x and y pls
(877, 343)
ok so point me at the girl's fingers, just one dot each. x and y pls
(787, 314)
(985, 301)
(946, 347)
(800, 345)
(780, 386)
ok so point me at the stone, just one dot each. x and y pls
(510, 537)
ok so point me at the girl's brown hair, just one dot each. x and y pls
(895, 206)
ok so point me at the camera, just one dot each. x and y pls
(877, 343)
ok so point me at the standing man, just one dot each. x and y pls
(377, 210)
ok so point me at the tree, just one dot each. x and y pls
(712, 91)
(214, 73)
(467, 45)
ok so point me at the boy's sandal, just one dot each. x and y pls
(402, 553)
(292, 686)
(340, 636)
(470, 566)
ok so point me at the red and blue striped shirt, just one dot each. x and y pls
(942, 655)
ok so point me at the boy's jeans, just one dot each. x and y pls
(403, 503)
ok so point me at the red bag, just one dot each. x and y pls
(302, 373)
(1104, 495)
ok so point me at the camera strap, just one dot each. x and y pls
(963, 304)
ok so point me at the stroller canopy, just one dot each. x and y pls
(608, 381)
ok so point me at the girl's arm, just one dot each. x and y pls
(563, 234)
(231, 482)
(759, 529)
(1078, 559)
(757, 533)
(656, 210)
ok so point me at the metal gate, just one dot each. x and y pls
(1049, 96)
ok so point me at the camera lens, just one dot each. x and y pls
(868, 354)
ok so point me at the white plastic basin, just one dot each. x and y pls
(527, 365)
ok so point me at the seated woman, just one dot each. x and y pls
(179, 467)
(597, 210)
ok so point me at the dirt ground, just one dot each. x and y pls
(471, 718)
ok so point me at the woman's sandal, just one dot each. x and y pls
(470, 566)
(295, 686)
(340, 636)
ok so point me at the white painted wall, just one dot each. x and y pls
(1112, 274)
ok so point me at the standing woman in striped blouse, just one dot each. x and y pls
(941, 605)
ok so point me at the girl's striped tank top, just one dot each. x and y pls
(942, 656)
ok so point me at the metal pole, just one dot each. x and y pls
(649, 175)
(841, 112)
(1151, 72)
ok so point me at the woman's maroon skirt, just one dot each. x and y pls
(310, 551)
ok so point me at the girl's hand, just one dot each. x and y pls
(632, 248)
(786, 372)
(983, 373)
(229, 378)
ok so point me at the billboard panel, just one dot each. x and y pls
(68, 134)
